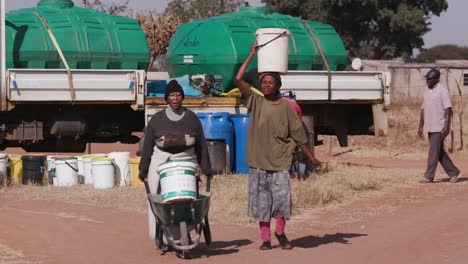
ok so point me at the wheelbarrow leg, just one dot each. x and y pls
(159, 237)
(207, 231)
(184, 239)
(206, 227)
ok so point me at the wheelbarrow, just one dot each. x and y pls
(183, 216)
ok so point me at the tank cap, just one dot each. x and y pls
(56, 3)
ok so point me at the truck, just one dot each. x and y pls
(70, 104)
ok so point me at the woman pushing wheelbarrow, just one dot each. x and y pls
(174, 147)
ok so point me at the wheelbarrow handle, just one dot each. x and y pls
(208, 183)
(147, 188)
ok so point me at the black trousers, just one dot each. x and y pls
(438, 154)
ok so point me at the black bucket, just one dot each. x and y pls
(217, 153)
(33, 169)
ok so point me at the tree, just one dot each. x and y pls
(377, 29)
(158, 30)
(188, 10)
(113, 8)
(443, 52)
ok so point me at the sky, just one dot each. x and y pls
(449, 28)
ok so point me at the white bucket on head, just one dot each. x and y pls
(103, 173)
(178, 180)
(3, 167)
(123, 176)
(66, 171)
(273, 56)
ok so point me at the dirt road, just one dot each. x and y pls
(423, 224)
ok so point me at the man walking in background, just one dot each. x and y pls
(436, 119)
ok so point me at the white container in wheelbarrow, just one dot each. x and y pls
(178, 180)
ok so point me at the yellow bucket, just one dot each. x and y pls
(134, 163)
(16, 166)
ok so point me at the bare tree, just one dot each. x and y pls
(158, 30)
(113, 8)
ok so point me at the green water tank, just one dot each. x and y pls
(87, 38)
(219, 45)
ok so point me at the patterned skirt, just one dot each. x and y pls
(269, 194)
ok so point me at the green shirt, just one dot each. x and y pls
(274, 131)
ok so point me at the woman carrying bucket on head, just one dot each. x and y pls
(274, 131)
(174, 135)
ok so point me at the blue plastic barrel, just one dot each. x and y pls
(241, 124)
(218, 126)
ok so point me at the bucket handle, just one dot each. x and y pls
(68, 164)
(271, 40)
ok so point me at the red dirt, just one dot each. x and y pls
(425, 225)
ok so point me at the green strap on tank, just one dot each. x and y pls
(322, 54)
(62, 57)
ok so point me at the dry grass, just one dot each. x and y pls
(229, 202)
(11, 256)
(126, 198)
(402, 141)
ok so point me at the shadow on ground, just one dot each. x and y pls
(219, 248)
(315, 241)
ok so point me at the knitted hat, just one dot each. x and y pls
(173, 86)
(272, 74)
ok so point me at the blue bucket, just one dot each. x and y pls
(241, 124)
(218, 126)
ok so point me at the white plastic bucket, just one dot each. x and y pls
(123, 175)
(3, 167)
(87, 167)
(103, 173)
(66, 171)
(81, 169)
(178, 180)
(88, 174)
(51, 170)
(273, 56)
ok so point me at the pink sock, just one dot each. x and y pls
(280, 225)
(265, 231)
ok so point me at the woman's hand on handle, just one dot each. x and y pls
(142, 178)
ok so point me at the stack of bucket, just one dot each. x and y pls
(33, 169)
(16, 169)
(103, 171)
(122, 167)
(134, 168)
(240, 124)
(226, 137)
(3, 168)
(219, 135)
